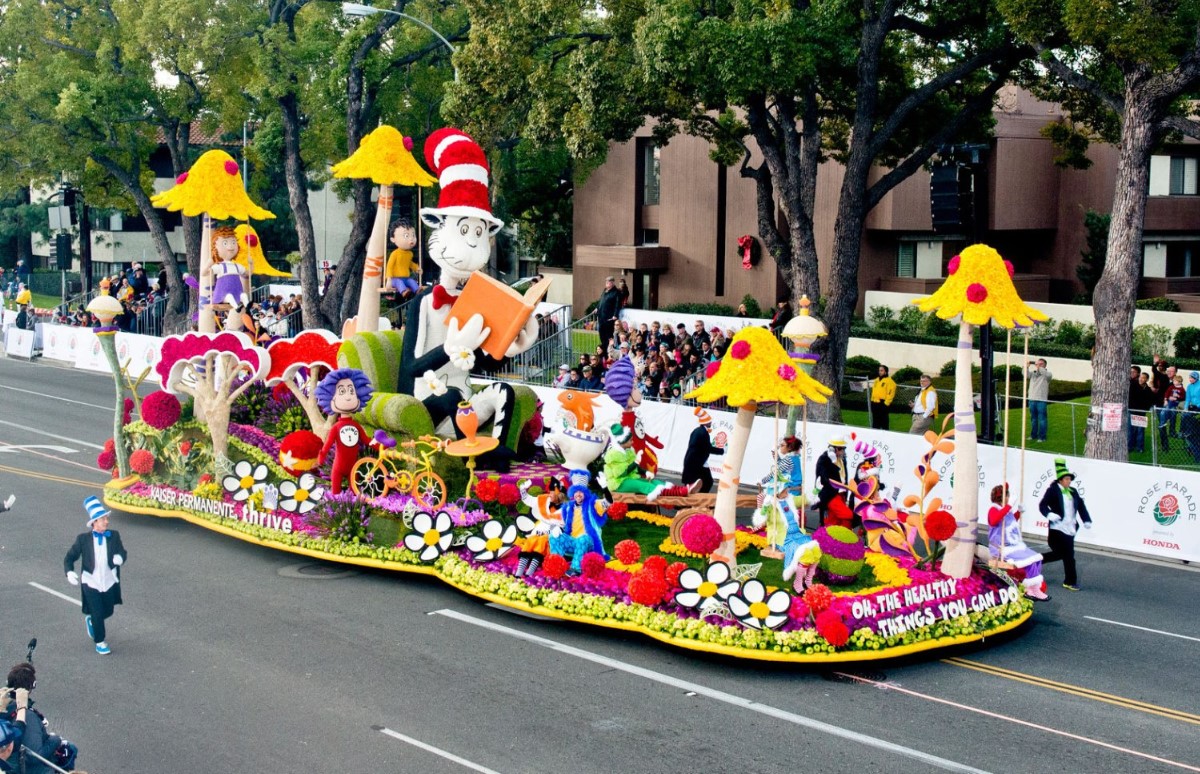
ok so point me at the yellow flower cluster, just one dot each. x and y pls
(669, 546)
(382, 157)
(650, 518)
(756, 368)
(980, 288)
(619, 566)
(887, 571)
(213, 185)
(749, 539)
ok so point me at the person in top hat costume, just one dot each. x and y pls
(100, 552)
(1064, 507)
(831, 502)
(460, 243)
(700, 447)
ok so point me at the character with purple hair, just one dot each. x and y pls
(343, 392)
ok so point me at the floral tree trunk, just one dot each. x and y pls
(368, 298)
(960, 550)
(207, 321)
(307, 398)
(725, 510)
(108, 342)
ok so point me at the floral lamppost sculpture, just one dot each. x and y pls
(212, 188)
(980, 289)
(803, 330)
(756, 368)
(384, 157)
(106, 309)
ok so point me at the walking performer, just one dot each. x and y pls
(1064, 507)
(101, 552)
(1006, 544)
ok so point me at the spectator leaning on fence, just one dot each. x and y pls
(924, 407)
(1039, 393)
(1141, 400)
(883, 392)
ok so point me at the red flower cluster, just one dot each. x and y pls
(627, 552)
(592, 565)
(940, 526)
(976, 293)
(672, 573)
(655, 564)
(711, 369)
(127, 414)
(106, 460)
(818, 598)
(831, 626)
(799, 610)
(141, 462)
(555, 566)
(160, 410)
(740, 350)
(110, 446)
(701, 534)
(617, 511)
(487, 490)
(508, 495)
(647, 587)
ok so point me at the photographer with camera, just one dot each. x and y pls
(37, 737)
(12, 732)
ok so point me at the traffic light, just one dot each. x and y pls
(62, 251)
(951, 198)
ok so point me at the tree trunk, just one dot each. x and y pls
(297, 184)
(725, 508)
(341, 298)
(960, 549)
(1116, 293)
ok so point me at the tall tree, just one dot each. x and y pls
(1123, 69)
(777, 89)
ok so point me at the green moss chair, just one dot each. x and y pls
(377, 354)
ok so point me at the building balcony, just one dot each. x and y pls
(623, 257)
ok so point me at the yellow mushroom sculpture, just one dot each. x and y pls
(979, 290)
(755, 369)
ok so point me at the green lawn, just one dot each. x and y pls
(40, 301)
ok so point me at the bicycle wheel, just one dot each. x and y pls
(429, 490)
(403, 481)
(368, 478)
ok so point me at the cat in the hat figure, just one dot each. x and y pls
(460, 243)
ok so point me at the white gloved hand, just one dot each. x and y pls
(469, 336)
(118, 560)
(73, 578)
(1019, 509)
(525, 339)
(21, 697)
(1087, 525)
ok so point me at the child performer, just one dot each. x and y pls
(100, 552)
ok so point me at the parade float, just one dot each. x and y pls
(252, 442)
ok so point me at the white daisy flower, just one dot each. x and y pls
(714, 585)
(462, 358)
(302, 496)
(753, 607)
(495, 541)
(431, 536)
(434, 383)
(245, 479)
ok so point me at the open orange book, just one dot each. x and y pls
(504, 310)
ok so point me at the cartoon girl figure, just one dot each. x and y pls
(343, 392)
(229, 276)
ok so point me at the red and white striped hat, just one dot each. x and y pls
(462, 171)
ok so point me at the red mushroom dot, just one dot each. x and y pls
(953, 265)
(231, 167)
(740, 350)
(976, 293)
(408, 143)
(252, 240)
(1008, 265)
(787, 372)
(711, 369)
(182, 176)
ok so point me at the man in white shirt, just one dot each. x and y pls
(100, 552)
(924, 407)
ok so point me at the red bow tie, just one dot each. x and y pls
(441, 297)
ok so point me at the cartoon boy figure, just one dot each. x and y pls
(343, 392)
(397, 276)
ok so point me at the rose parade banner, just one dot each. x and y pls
(1136, 508)
(81, 347)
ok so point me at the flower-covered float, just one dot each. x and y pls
(247, 453)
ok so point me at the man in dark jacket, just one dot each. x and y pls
(607, 311)
(831, 467)
(700, 448)
(1064, 507)
(100, 552)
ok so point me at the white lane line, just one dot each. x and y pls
(55, 397)
(1019, 722)
(436, 751)
(1142, 628)
(522, 613)
(58, 594)
(712, 693)
(34, 430)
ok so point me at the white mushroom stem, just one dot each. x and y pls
(206, 322)
(960, 549)
(725, 509)
(372, 282)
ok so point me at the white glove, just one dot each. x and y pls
(527, 337)
(21, 697)
(1019, 509)
(758, 520)
(1087, 525)
(118, 560)
(523, 487)
(73, 578)
(469, 337)
(602, 480)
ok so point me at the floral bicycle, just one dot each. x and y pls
(407, 469)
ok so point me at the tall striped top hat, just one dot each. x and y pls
(702, 416)
(95, 509)
(462, 171)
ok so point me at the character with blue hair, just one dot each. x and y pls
(582, 522)
(343, 392)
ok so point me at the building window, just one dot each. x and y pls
(1183, 259)
(1184, 176)
(650, 173)
(906, 259)
(649, 236)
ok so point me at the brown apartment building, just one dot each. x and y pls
(669, 219)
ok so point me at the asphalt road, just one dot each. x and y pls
(228, 657)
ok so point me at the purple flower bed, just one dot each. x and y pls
(257, 438)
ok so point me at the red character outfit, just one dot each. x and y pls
(345, 438)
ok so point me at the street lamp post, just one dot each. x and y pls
(106, 309)
(361, 10)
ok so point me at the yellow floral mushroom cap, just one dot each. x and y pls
(385, 156)
(980, 288)
(250, 246)
(213, 185)
(756, 369)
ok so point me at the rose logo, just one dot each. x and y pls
(1167, 510)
